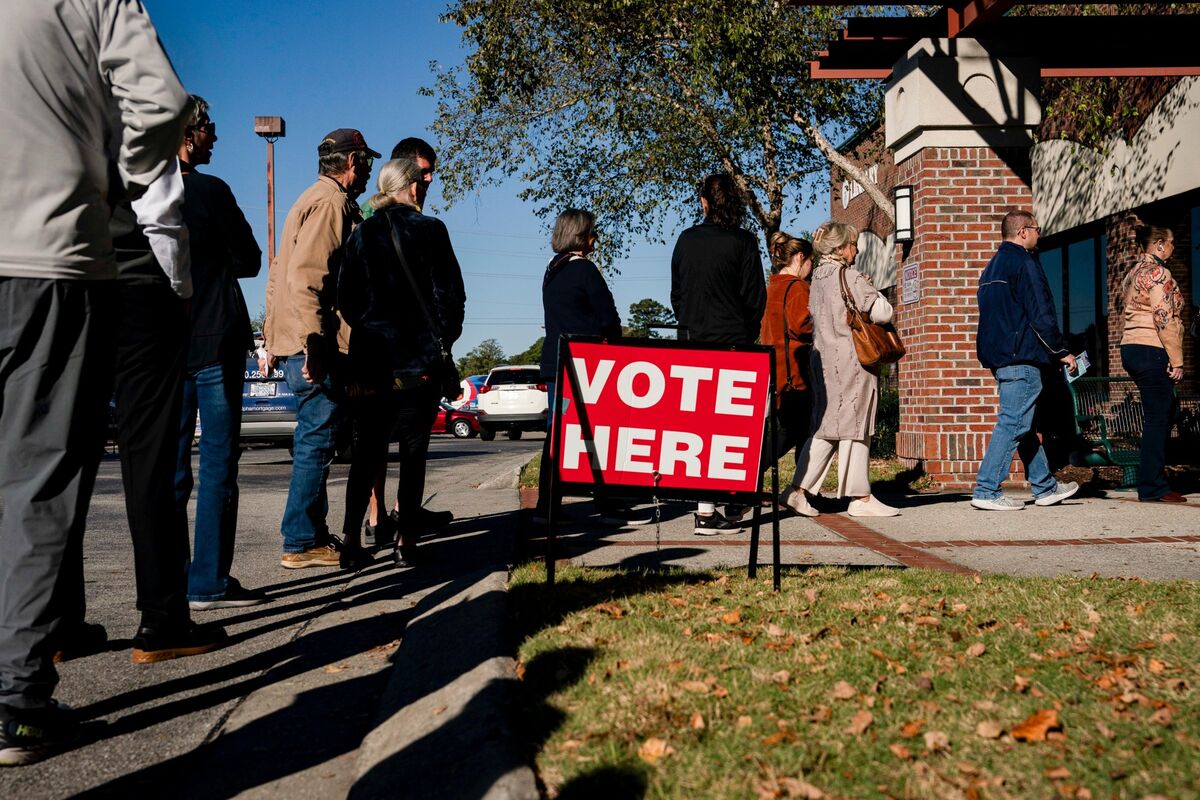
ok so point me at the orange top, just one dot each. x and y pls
(1153, 308)
(799, 325)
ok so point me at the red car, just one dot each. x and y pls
(462, 422)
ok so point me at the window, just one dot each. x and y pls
(1077, 272)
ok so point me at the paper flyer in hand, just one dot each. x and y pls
(1081, 366)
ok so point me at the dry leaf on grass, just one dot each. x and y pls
(860, 722)
(733, 617)
(989, 729)
(654, 749)
(900, 751)
(1035, 728)
(936, 741)
(1020, 684)
(1162, 717)
(775, 631)
(781, 677)
(929, 622)
(803, 790)
(1105, 731)
(843, 691)
(333, 669)
(810, 595)
(612, 609)
(911, 729)
(696, 687)
(1156, 666)
(697, 721)
(743, 722)
(976, 650)
(1057, 773)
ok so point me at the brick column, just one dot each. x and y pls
(947, 401)
(959, 118)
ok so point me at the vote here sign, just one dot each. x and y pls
(691, 416)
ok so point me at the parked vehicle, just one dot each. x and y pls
(470, 396)
(268, 407)
(462, 422)
(512, 399)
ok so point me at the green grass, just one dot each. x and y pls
(737, 689)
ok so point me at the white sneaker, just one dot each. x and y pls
(1061, 492)
(797, 500)
(1001, 503)
(871, 507)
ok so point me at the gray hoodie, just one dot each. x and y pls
(66, 68)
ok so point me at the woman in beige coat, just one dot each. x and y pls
(845, 393)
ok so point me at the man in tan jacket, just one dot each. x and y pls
(305, 332)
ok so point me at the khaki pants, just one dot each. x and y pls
(853, 458)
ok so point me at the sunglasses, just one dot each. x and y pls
(209, 127)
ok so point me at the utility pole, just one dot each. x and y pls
(271, 129)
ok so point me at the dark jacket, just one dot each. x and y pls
(577, 301)
(389, 334)
(1017, 324)
(717, 289)
(223, 250)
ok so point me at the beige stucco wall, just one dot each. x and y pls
(1074, 185)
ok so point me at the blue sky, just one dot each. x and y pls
(323, 65)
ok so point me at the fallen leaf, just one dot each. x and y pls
(904, 608)
(936, 741)
(929, 622)
(1105, 731)
(911, 729)
(1057, 773)
(810, 595)
(697, 722)
(959, 608)
(1093, 616)
(622, 663)
(843, 691)
(775, 631)
(781, 677)
(860, 722)
(779, 737)
(1167, 638)
(698, 687)
(1162, 717)
(571, 744)
(1021, 684)
(333, 669)
(900, 751)
(654, 749)
(801, 789)
(1035, 728)
(743, 722)
(520, 670)
(976, 650)
(733, 617)
(1156, 666)
(612, 609)
(967, 768)
(720, 691)
(989, 729)
(821, 714)
(1146, 645)
(439, 710)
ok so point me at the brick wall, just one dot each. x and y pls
(947, 401)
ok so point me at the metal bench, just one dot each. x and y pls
(1108, 417)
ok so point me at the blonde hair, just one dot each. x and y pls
(784, 247)
(832, 235)
(394, 177)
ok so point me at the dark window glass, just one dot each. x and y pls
(1081, 280)
(1052, 264)
(510, 377)
(1196, 256)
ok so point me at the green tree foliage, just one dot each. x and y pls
(482, 358)
(532, 355)
(621, 106)
(643, 314)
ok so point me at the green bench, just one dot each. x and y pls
(1108, 417)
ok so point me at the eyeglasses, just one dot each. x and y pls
(209, 127)
(1033, 228)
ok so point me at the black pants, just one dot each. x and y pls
(1147, 366)
(151, 351)
(55, 373)
(793, 421)
(406, 414)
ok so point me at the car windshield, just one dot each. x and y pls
(508, 377)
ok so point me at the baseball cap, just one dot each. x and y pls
(345, 140)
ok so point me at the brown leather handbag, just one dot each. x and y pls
(874, 344)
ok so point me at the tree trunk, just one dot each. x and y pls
(847, 166)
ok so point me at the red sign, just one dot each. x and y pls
(691, 417)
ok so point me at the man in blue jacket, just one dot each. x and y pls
(1018, 336)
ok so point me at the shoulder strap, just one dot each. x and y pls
(846, 297)
(787, 350)
(434, 327)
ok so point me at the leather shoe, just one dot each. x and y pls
(81, 640)
(1169, 497)
(152, 644)
(353, 557)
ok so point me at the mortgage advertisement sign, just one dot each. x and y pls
(672, 417)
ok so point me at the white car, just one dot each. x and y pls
(512, 399)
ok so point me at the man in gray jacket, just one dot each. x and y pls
(65, 67)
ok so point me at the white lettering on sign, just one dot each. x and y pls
(691, 377)
(735, 384)
(852, 189)
(634, 443)
(681, 447)
(727, 452)
(574, 446)
(590, 388)
(658, 385)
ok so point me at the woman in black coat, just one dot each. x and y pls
(396, 343)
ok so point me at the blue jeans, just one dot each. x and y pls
(319, 414)
(1020, 386)
(1148, 365)
(216, 391)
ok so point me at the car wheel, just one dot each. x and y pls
(487, 435)
(513, 435)
(462, 429)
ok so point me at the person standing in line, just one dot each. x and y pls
(396, 343)
(380, 528)
(788, 327)
(717, 294)
(304, 330)
(222, 250)
(1152, 353)
(65, 65)
(845, 393)
(575, 300)
(1018, 337)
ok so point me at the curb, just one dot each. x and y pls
(507, 478)
(443, 728)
